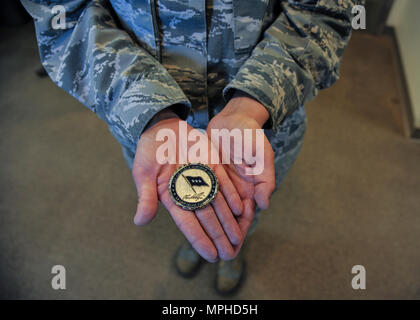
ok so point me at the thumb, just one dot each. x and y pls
(263, 193)
(147, 199)
(266, 181)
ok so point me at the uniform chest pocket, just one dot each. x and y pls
(138, 17)
(248, 19)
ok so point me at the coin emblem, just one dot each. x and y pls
(193, 186)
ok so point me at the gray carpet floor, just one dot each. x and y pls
(67, 197)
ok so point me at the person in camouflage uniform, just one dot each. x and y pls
(141, 65)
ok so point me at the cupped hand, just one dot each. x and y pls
(213, 231)
(246, 113)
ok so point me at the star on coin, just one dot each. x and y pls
(193, 186)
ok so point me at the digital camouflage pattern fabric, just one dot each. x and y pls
(126, 60)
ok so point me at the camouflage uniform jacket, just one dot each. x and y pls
(126, 60)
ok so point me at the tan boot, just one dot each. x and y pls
(187, 261)
(230, 275)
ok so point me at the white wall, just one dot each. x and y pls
(405, 18)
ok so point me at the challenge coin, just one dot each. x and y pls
(193, 186)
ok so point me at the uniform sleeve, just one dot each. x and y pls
(298, 55)
(103, 67)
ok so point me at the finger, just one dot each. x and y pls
(147, 197)
(229, 191)
(189, 225)
(245, 221)
(263, 191)
(226, 218)
(266, 181)
(244, 188)
(211, 225)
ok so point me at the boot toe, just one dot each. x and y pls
(187, 261)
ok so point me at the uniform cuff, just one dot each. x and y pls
(267, 85)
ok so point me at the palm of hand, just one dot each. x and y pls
(213, 231)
